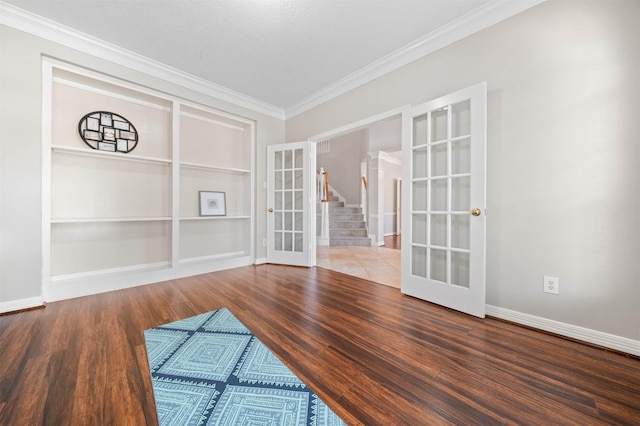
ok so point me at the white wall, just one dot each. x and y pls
(563, 186)
(342, 163)
(392, 172)
(21, 149)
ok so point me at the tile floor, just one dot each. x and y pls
(378, 264)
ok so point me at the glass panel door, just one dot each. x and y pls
(444, 201)
(288, 217)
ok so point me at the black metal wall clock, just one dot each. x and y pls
(107, 131)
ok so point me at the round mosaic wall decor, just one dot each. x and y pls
(106, 131)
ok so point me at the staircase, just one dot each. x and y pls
(346, 224)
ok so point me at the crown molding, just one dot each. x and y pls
(30, 23)
(479, 19)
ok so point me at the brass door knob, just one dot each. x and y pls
(476, 212)
(270, 210)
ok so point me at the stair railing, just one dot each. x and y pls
(364, 197)
(322, 191)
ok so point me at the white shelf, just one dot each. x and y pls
(211, 258)
(110, 219)
(110, 155)
(130, 213)
(216, 168)
(214, 217)
(111, 271)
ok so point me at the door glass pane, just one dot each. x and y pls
(277, 200)
(277, 241)
(298, 242)
(419, 261)
(298, 197)
(461, 156)
(439, 230)
(419, 229)
(288, 200)
(288, 159)
(278, 180)
(460, 228)
(439, 195)
(439, 124)
(298, 221)
(288, 179)
(461, 119)
(298, 159)
(277, 221)
(288, 242)
(277, 156)
(438, 265)
(439, 160)
(298, 181)
(460, 194)
(420, 130)
(420, 163)
(460, 269)
(420, 194)
(288, 221)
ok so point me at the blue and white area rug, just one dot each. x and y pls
(210, 370)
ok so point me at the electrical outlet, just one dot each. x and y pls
(264, 242)
(551, 285)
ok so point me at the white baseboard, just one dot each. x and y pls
(322, 242)
(260, 261)
(18, 305)
(599, 338)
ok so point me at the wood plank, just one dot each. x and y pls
(373, 355)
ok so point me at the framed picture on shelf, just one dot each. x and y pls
(213, 203)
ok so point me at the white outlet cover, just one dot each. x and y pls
(551, 285)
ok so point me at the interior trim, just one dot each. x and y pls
(599, 338)
(47, 29)
(479, 19)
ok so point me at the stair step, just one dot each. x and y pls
(340, 210)
(348, 217)
(342, 232)
(346, 224)
(350, 241)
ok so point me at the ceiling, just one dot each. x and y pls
(279, 52)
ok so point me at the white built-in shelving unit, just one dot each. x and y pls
(115, 220)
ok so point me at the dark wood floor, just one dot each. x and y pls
(393, 242)
(374, 356)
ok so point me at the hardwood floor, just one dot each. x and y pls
(374, 356)
(393, 242)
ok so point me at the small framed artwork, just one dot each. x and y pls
(127, 135)
(94, 136)
(107, 146)
(93, 124)
(106, 119)
(121, 125)
(109, 134)
(123, 145)
(213, 203)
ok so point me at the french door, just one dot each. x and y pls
(443, 212)
(291, 202)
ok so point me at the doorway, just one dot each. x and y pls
(365, 158)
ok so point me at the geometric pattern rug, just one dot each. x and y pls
(211, 370)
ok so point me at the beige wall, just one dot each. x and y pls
(21, 152)
(563, 184)
(342, 162)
